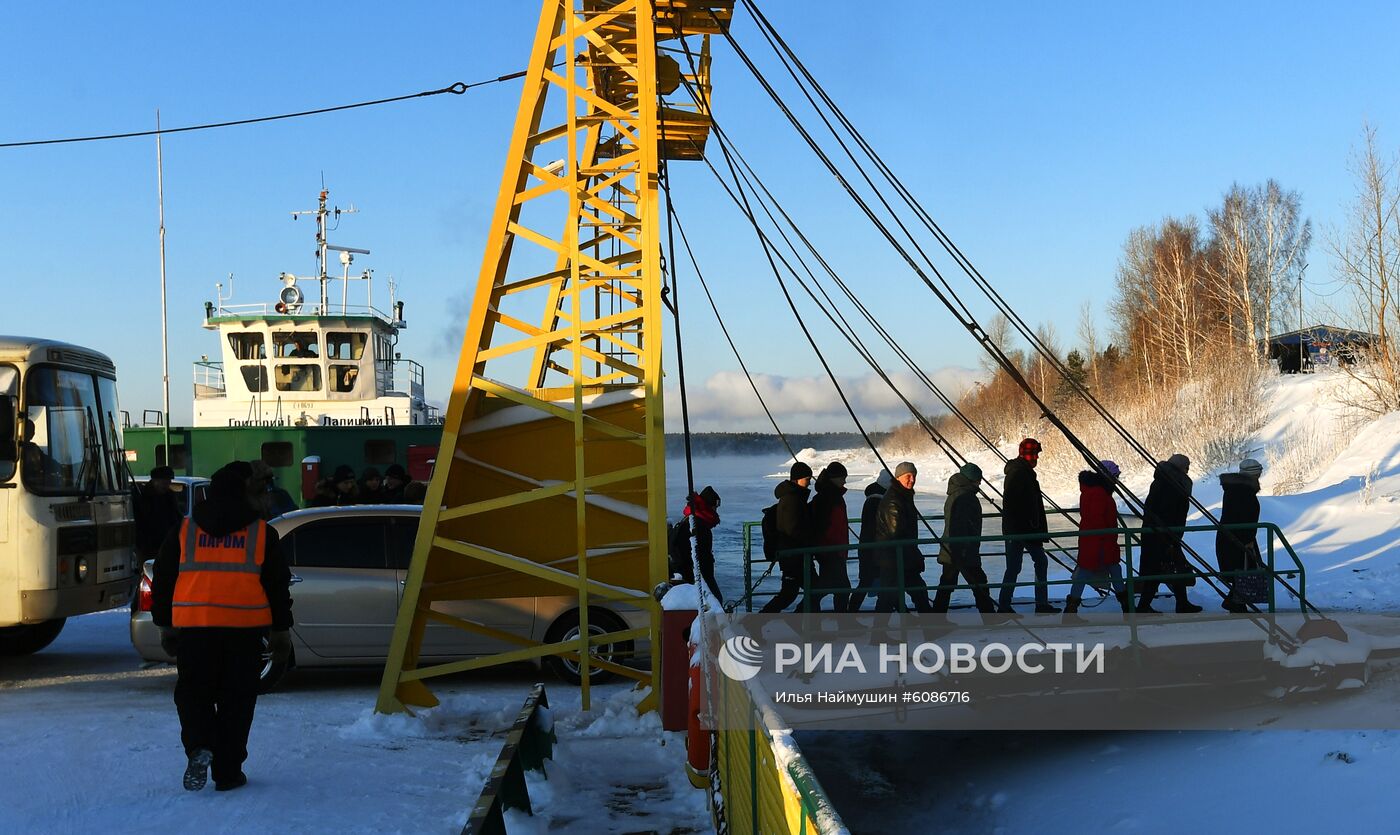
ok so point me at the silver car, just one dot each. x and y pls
(349, 565)
(189, 490)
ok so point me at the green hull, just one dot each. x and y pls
(201, 451)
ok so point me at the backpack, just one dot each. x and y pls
(770, 532)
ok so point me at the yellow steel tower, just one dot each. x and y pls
(552, 448)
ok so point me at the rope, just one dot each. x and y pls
(456, 89)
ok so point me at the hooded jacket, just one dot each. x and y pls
(1238, 550)
(1167, 505)
(873, 493)
(1097, 511)
(962, 516)
(223, 513)
(829, 515)
(792, 516)
(1022, 507)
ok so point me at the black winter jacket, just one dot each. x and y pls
(896, 518)
(873, 493)
(1238, 550)
(156, 514)
(1168, 502)
(794, 519)
(218, 518)
(962, 516)
(1024, 510)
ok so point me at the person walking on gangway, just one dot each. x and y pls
(1238, 550)
(698, 521)
(897, 520)
(1024, 513)
(1168, 502)
(962, 518)
(1097, 558)
(793, 529)
(830, 527)
(869, 558)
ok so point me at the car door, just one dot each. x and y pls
(344, 593)
(515, 616)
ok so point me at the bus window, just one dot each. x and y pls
(63, 451)
(9, 428)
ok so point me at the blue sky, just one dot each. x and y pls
(1038, 136)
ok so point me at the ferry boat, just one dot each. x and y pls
(302, 386)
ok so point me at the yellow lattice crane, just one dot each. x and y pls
(552, 447)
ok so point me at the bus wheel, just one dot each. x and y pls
(29, 638)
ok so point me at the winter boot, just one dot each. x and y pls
(197, 772)
(1071, 607)
(1230, 604)
(1048, 608)
(1184, 606)
(1144, 606)
(1122, 600)
(237, 781)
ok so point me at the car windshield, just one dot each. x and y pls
(70, 433)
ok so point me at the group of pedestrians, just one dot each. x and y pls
(343, 488)
(812, 513)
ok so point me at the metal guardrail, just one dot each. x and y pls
(766, 789)
(528, 744)
(1130, 578)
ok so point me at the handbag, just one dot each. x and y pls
(1252, 587)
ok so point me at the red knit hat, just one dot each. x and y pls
(1029, 446)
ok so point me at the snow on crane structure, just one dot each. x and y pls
(552, 447)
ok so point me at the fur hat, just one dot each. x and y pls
(162, 472)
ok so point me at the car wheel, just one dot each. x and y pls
(600, 622)
(29, 638)
(270, 673)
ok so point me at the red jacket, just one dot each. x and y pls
(1097, 511)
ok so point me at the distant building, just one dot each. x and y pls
(1318, 345)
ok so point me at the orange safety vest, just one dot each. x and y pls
(220, 582)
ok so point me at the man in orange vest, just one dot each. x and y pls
(221, 589)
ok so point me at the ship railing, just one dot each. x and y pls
(304, 309)
(411, 370)
(209, 379)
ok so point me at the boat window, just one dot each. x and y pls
(255, 376)
(343, 345)
(298, 377)
(277, 454)
(295, 345)
(343, 377)
(247, 346)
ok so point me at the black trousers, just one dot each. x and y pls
(791, 568)
(830, 573)
(868, 577)
(890, 601)
(972, 573)
(216, 692)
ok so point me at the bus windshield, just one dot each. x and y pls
(70, 438)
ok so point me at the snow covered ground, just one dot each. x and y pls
(91, 743)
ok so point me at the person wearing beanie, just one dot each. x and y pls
(1167, 505)
(1097, 559)
(897, 520)
(345, 486)
(868, 557)
(395, 479)
(829, 515)
(793, 528)
(371, 487)
(698, 520)
(962, 517)
(220, 588)
(157, 509)
(1023, 514)
(1238, 550)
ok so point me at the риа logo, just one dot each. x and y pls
(741, 658)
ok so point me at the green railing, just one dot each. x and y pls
(1275, 575)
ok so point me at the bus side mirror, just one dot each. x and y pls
(9, 449)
